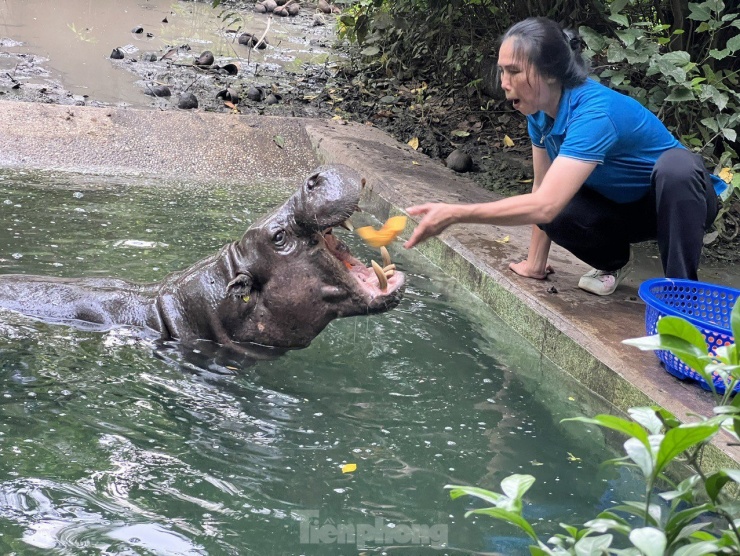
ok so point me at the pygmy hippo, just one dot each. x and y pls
(279, 286)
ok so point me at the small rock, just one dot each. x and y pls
(280, 11)
(205, 59)
(187, 101)
(270, 5)
(272, 99)
(138, 29)
(324, 7)
(459, 161)
(117, 54)
(158, 91)
(149, 57)
(255, 94)
(260, 8)
(318, 20)
(228, 94)
(293, 9)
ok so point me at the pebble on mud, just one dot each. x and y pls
(158, 91)
(117, 54)
(205, 59)
(255, 94)
(459, 161)
(187, 101)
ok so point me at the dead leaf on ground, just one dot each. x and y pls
(414, 143)
(508, 141)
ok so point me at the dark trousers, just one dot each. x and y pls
(680, 206)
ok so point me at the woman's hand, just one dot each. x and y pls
(436, 217)
(523, 268)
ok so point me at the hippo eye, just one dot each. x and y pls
(279, 238)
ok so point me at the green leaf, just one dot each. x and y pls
(680, 520)
(642, 455)
(647, 417)
(680, 94)
(617, 6)
(593, 545)
(699, 12)
(620, 20)
(688, 352)
(698, 549)
(483, 494)
(279, 141)
(347, 20)
(651, 541)
(734, 44)
(515, 486)
(676, 326)
(720, 54)
(370, 51)
(509, 517)
(601, 525)
(613, 422)
(717, 480)
(680, 439)
(729, 134)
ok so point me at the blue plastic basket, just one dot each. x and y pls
(706, 306)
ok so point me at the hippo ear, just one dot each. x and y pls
(240, 286)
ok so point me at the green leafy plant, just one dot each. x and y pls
(699, 515)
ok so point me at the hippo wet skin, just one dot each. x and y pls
(278, 287)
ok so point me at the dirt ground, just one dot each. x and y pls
(435, 121)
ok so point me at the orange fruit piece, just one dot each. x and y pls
(387, 233)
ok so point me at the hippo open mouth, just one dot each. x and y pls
(374, 280)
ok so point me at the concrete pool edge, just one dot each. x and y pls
(579, 332)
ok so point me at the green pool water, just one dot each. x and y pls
(109, 446)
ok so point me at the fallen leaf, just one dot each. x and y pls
(503, 240)
(571, 398)
(387, 233)
(415, 163)
(571, 457)
(460, 133)
(536, 463)
(349, 468)
(726, 174)
(414, 143)
(279, 141)
(508, 142)
(530, 180)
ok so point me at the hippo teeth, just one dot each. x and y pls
(386, 256)
(382, 280)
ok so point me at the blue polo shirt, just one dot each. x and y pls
(597, 124)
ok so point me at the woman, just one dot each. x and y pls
(607, 172)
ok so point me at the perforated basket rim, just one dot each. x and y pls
(647, 296)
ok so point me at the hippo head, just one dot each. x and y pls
(292, 275)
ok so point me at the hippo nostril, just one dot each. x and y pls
(312, 182)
